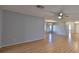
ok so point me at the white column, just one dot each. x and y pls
(69, 35)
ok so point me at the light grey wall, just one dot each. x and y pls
(77, 28)
(0, 27)
(60, 28)
(19, 28)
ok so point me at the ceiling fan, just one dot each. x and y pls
(58, 15)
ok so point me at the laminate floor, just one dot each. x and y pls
(58, 44)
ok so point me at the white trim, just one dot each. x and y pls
(50, 21)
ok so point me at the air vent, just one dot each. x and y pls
(39, 6)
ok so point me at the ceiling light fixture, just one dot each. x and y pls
(61, 14)
(59, 17)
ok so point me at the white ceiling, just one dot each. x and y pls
(70, 10)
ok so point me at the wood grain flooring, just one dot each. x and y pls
(59, 44)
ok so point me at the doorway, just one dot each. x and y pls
(48, 29)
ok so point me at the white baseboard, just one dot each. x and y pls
(19, 43)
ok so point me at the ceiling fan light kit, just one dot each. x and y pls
(60, 14)
(59, 17)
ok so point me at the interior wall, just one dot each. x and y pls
(19, 28)
(72, 27)
(77, 28)
(63, 28)
(0, 27)
(60, 28)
